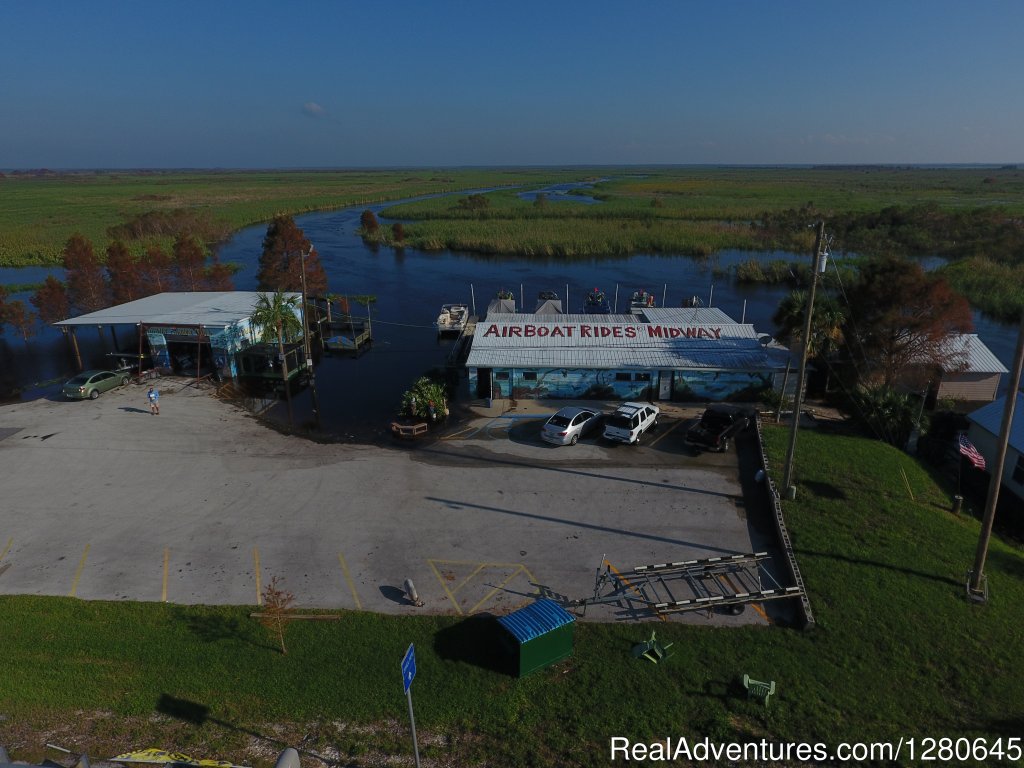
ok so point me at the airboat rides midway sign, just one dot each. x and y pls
(640, 331)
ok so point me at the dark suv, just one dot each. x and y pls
(717, 424)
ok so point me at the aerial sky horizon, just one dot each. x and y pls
(260, 84)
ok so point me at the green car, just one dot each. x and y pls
(89, 384)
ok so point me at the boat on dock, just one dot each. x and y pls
(596, 303)
(548, 303)
(641, 299)
(453, 318)
(504, 303)
(351, 336)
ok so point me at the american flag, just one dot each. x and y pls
(968, 450)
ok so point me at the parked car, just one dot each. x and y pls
(89, 384)
(717, 425)
(570, 424)
(630, 421)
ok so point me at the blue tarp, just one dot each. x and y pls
(535, 620)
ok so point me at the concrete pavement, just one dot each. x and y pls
(204, 504)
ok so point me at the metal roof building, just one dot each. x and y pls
(677, 354)
(191, 330)
(210, 309)
(986, 423)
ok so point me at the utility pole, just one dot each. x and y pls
(977, 589)
(787, 482)
(305, 340)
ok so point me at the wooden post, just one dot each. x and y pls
(74, 346)
(787, 481)
(140, 327)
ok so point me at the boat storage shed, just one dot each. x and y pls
(685, 354)
(209, 326)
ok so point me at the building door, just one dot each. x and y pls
(483, 382)
(665, 385)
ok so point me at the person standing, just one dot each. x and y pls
(154, 401)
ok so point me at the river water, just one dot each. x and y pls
(359, 395)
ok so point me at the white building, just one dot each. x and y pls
(685, 354)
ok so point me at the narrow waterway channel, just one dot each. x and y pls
(358, 395)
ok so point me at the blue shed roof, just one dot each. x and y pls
(536, 619)
(990, 419)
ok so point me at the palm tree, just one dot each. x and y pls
(275, 316)
(826, 325)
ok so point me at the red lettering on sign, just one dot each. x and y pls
(543, 330)
(568, 331)
(491, 331)
(653, 330)
(617, 332)
(515, 331)
(717, 332)
(675, 333)
(584, 331)
(529, 331)
(556, 331)
(631, 332)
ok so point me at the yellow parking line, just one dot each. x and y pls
(10, 541)
(163, 590)
(761, 610)
(78, 572)
(445, 586)
(465, 581)
(456, 434)
(659, 437)
(491, 594)
(259, 590)
(348, 578)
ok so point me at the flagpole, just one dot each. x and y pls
(977, 588)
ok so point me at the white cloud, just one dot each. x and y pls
(313, 109)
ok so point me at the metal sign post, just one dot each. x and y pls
(408, 673)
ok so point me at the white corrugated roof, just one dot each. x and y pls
(617, 341)
(972, 352)
(687, 315)
(208, 308)
(990, 418)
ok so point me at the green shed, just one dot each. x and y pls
(538, 635)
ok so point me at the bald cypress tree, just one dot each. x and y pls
(87, 287)
(281, 261)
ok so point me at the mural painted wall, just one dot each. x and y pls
(588, 383)
(715, 386)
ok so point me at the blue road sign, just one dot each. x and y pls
(409, 667)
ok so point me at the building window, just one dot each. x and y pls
(503, 376)
(1018, 470)
(642, 377)
(529, 375)
(623, 377)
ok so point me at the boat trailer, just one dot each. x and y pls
(657, 590)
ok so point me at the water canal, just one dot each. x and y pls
(359, 395)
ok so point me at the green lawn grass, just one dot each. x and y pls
(897, 651)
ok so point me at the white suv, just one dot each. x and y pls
(630, 421)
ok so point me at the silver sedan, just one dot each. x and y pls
(570, 424)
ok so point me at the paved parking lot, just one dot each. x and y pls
(203, 504)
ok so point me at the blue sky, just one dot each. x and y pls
(326, 84)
